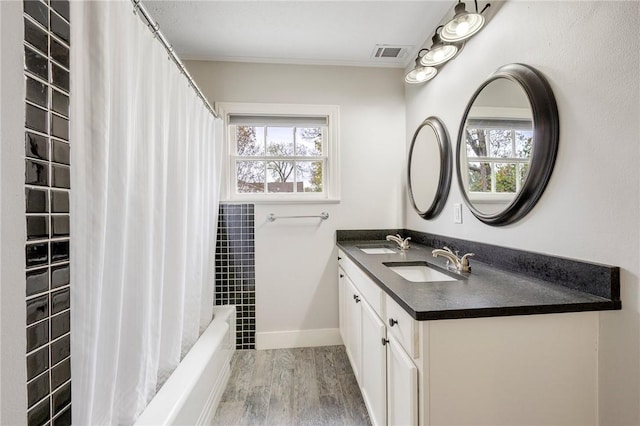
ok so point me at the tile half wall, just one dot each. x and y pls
(235, 268)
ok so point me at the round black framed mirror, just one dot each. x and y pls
(429, 168)
(507, 144)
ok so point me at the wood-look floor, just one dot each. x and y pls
(302, 386)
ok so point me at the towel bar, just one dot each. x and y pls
(271, 217)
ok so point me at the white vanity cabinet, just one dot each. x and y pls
(387, 377)
(515, 370)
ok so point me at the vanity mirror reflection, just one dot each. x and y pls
(507, 144)
(429, 168)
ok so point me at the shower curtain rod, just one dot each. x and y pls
(155, 29)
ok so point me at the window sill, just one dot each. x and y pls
(492, 198)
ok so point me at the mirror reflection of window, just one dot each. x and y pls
(499, 145)
(498, 154)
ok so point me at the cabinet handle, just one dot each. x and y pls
(356, 298)
(339, 258)
(392, 322)
(341, 276)
(384, 341)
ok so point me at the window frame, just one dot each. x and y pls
(330, 157)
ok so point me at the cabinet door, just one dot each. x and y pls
(353, 324)
(402, 384)
(374, 365)
(342, 304)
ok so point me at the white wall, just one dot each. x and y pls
(589, 52)
(13, 382)
(295, 268)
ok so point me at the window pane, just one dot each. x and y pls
(309, 141)
(500, 143)
(280, 175)
(524, 143)
(505, 177)
(280, 141)
(250, 176)
(480, 177)
(476, 144)
(309, 173)
(250, 140)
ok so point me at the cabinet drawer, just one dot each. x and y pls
(403, 327)
(367, 288)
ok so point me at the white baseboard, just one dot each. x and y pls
(298, 338)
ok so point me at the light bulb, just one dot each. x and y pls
(462, 28)
(420, 74)
(439, 55)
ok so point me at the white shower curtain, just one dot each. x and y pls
(144, 202)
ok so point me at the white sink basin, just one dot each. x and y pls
(420, 273)
(377, 250)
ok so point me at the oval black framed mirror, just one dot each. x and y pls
(429, 168)
(507, 144)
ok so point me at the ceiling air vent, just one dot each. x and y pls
(388, 52)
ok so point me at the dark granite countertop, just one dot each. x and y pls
(485, 292)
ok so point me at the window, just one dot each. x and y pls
(282, 153)
(498, 152)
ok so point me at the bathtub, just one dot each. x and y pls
(191, 394)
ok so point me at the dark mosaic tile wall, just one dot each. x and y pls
(47, 183)
(235, 269)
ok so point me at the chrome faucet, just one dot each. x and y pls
(402, 244)
(460, 264)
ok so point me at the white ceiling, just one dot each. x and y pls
(297, 31)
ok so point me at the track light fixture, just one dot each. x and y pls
(420, 73)
(446, 43)
(439, 52)
(464, 24)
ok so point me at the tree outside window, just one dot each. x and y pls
(279, 159)
(497, 158)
